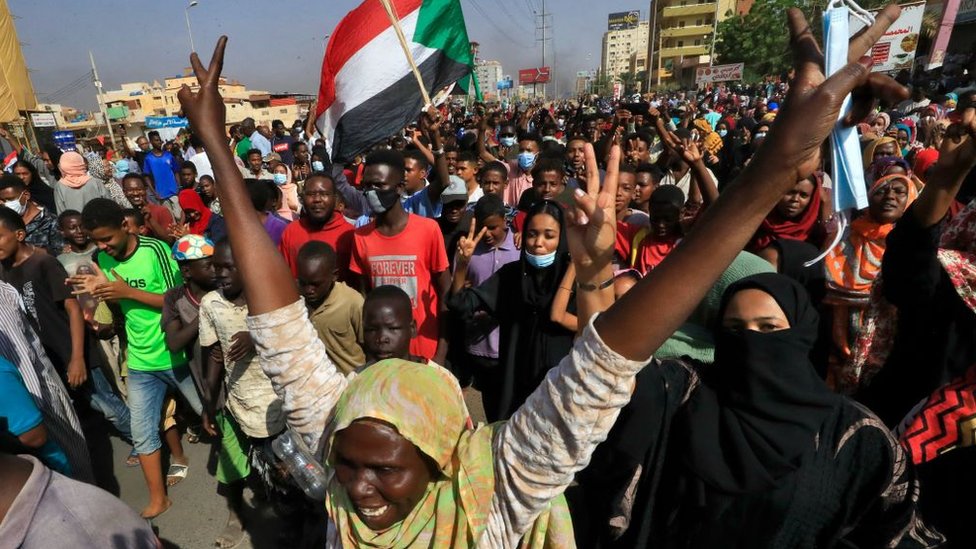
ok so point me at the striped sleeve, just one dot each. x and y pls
(166, 267)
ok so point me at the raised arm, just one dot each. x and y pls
(267, 280)
(553, 435)
(482, 136)
(957, 156)
(430, 125)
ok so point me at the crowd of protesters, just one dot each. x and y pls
(677, 340)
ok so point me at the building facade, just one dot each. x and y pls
(619, 49)
(682, 36)
(489, 73)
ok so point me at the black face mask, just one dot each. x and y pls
(381, 200)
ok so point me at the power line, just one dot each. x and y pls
(510, 15)
(86, 77)
(495, 25)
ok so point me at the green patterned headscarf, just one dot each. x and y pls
(425, 405)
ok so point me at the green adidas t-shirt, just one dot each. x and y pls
(151, 269)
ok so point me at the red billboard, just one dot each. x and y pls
(534, 76)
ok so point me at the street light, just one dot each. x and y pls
(189, 31)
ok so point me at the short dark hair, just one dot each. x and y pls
(10, 181)
(295, 144)
(467, 156)
(418, 156)
(389, 158)
(136, 215)
(102, 212)
(190, 165)
(640, 136)
(487, 206)
(547, 165)
(254, 151)
(657, 174)
(66, 214)
(390, 293)
(135, 176)
(11, 220)
(627, 168)
(152, 133)
(494, 166)
(316, 249)
(277, 122)
(531, 137)
(258, 191)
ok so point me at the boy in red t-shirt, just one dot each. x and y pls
(403, 250)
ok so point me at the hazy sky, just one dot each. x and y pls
(275, 45)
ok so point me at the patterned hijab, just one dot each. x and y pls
(957, 253)
(425, 405)
(855, 262)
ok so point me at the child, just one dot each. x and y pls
(335, 309)
(135, 271)
(252, 416)
(643, 248)
(482, 256)
(626, 193)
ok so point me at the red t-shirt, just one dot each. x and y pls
(337, 232)
(161, 216)
(410, 260)
(650, 252)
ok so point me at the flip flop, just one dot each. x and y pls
(176, 471)
(133, 459)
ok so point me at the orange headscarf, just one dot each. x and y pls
(854, 263)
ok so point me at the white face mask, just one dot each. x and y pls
(16, 205)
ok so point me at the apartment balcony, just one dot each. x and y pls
(691, 9)
(685, 51)
(692, 31)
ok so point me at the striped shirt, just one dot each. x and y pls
(20, 345)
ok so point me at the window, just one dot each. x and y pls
(681, 43)
(698, 22)
(698, 42)
(681, 24)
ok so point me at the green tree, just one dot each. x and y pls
(759, 39)
(627, 79)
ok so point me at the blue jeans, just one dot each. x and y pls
(104, 400)
(147, 390)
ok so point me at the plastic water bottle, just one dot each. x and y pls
(307, 473)
(87, 301)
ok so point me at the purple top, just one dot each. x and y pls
(482, 333)
(274, 226)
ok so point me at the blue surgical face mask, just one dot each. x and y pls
(318, 166)
(526, 160)
(540, 261)
(280, 178)
(723, 133)
(507, 141)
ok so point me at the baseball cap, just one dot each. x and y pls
(192, 247)
(455, 191)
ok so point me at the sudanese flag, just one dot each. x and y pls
(368, 91)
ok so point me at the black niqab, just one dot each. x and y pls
(761, 404)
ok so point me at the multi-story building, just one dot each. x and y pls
(489, 73)
(619, 47)
(683, 34)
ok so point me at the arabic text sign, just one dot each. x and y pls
(896, 49)
(719, 73)
(43, 120)
(156, 122)
(534, 76)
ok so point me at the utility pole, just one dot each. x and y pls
(101, 103)
(544, 25)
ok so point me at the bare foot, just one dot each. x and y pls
(232, 535)
(153, 510)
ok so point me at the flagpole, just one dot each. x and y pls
(395, 22)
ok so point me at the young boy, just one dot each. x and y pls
(251, 418)
(163, 167)
(473, 265)
(134, 272)
(404, 250)
(626, 191)
(467, 170)
(335, 309)
(157, 218)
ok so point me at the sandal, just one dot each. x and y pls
(193, 434)
(176, 473)
(133, 459)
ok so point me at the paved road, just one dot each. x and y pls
(198, 513)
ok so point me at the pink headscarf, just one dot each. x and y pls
(74, 173)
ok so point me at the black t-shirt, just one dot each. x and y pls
(40, 281)
(282, 146)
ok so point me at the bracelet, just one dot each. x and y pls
(565, 288)
(438, 152)
(594, 287)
